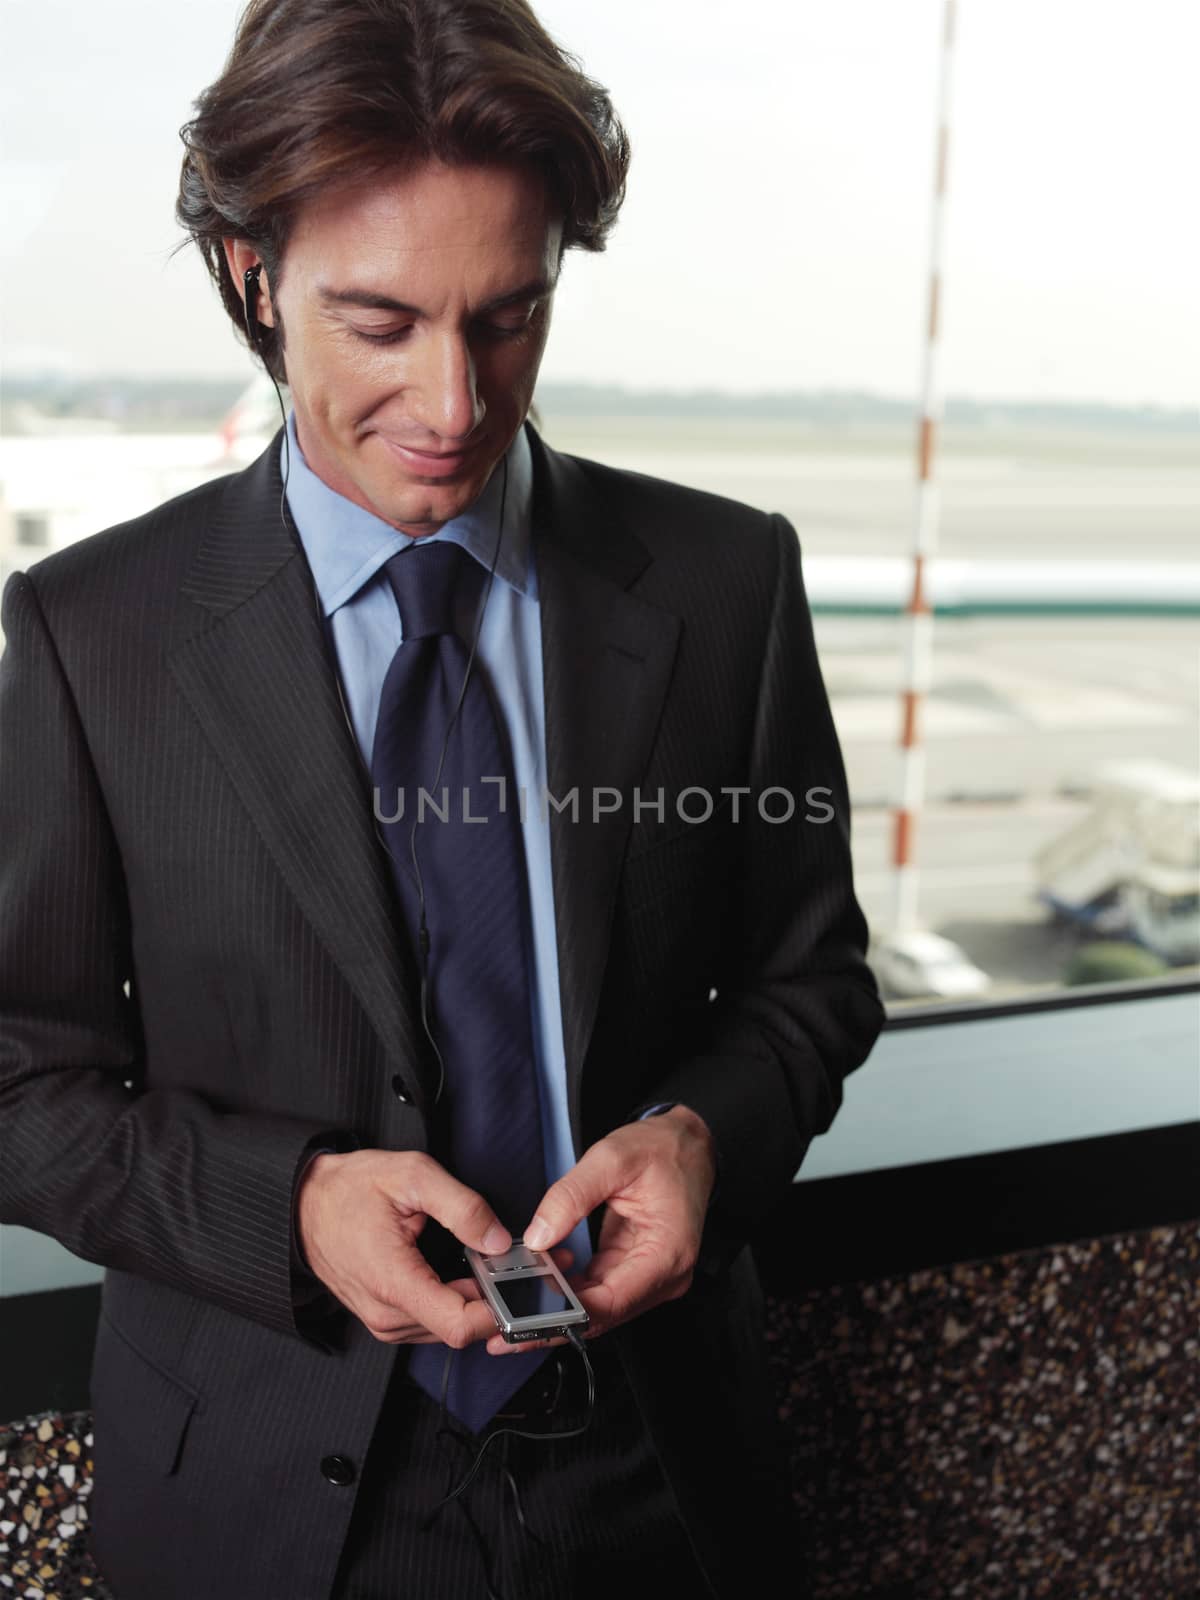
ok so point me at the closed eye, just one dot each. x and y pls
(492, 330)
(506, 330)
(393, 337)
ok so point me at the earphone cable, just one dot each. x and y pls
(521, 1433)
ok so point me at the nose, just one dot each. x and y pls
(447, 384)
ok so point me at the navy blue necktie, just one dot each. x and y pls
(472, 868)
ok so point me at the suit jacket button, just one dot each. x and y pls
(338, 1469)
(399, 1090)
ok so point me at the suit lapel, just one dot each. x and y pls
(256, 667)
(259, 675)
(606, 662)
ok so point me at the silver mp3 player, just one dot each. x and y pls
(529, 1296)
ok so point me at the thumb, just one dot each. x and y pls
(459, 1209)
(576, 1194)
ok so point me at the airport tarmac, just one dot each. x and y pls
(1019, 707)
(976, 886)
(1022, 709)
(1022, 712)
(1043, 494)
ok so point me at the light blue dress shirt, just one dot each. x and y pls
(347, 547)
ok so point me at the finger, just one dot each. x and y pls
(500, 1346)
(594, 1274)
(426, 1186)
(613, 1291)
(602, 1262)
(450, 1316)
(598, 1173)
(403, 1330)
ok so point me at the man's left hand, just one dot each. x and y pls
(655, 1177)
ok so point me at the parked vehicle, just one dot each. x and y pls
(1131, 866)
(918, 963)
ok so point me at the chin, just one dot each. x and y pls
(433, 505)
(445, 497)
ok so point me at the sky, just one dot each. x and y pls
(776, 231)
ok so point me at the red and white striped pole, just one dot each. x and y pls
(919, 644)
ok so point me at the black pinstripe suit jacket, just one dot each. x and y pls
(182, 812)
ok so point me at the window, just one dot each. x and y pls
(757, 327)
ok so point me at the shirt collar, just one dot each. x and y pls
(346, 545)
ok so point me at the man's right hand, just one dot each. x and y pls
(359, 1217)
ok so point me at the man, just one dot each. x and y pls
(247, 1050)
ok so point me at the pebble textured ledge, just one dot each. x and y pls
(46, 1471)
(1020, 1428)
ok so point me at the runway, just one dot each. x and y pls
(1022, 709)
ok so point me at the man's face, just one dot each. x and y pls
(415, 310)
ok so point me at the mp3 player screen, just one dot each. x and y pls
(533, 1297)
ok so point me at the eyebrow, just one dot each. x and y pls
(369, 300)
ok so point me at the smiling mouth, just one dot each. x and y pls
(429, 463)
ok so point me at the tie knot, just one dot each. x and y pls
(436, 585)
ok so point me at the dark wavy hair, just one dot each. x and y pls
(321, 92)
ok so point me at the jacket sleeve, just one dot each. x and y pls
(797, 1006)
(153, 1181)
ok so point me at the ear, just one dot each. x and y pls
(241, 254)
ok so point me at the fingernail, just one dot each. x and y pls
(537, 1234)
(495, 1240)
